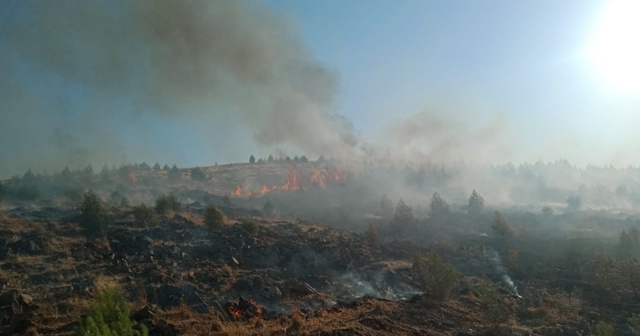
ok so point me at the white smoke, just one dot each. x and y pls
(501, 270)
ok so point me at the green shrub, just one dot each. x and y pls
(92, 216)
(251, 226)
(435, 276)
(476, 203)
(440, 209)
(197, 174)
(110, 317)
(634, 320)
(403, 217)
(268, 208)
(494, 309)
(175, 174)
(501, 226)
(144, 214)
(213, 217)
(166, 203)
(605, 329)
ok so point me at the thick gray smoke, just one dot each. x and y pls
(87, 77)
(450, 134)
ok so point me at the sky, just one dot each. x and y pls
(203, 82)
(519, 60)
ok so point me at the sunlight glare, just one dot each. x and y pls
(614, 51)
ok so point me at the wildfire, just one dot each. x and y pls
(244, 309)
(265, 190)
(241, 193)
(297, 180)
(235, 312)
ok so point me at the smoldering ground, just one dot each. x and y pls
(99, 74)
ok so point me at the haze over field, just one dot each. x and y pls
(199, 82)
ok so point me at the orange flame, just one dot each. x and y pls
(245, 309)
(235, 312)
(257, 306)
(295, 180)
(265, 190)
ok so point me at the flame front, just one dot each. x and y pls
(244, 309)
(296, 180)
(235, 312)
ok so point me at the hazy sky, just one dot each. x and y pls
(525, 61)
(199, 82)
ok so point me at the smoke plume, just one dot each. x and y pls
(87, 77)
(444, 135)
(501, 270)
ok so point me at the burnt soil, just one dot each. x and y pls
(292, 278)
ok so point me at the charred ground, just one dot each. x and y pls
(353, 273)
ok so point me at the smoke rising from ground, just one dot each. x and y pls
(81, 72)
(496, 261)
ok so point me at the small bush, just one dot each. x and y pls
(440, 209)
(435, 276)
(175, 174)
(403, 217)
(110, 317)
(605, 329)
(92, 215)
(197, 174)
(494, 308)
(144, 214)
(213, 217)
(166, 203)
(501, 226)
(476, 203)
(268, 208)
(634, 320)
(251, 226)
(372, 236)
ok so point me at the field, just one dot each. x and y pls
(310, 264)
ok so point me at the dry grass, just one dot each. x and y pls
(561, 308)
(61, 244)
(30, 260)
(17, 225)
(107, 282)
